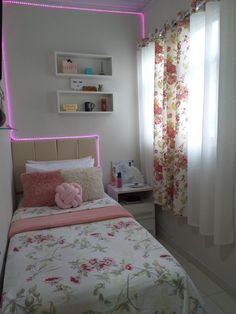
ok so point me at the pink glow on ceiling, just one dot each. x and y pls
(114, 5)
(52, 6)
(66, 7)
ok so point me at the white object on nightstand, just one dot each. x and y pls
(138, 201)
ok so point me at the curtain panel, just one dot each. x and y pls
(170, 116)
(194, 117)
(199, 4)
(195, 4)
(145, 56)
(203, 116)
(212, 114)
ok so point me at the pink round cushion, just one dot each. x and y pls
(68, 195)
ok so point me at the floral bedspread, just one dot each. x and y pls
(112, 266)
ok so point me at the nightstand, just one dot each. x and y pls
(138, 201)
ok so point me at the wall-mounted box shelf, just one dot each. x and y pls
(80, 97)
(101, 65)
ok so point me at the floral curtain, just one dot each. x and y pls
(199, 4)
(170, 116)
(195, 4)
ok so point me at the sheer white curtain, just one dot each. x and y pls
(146, 57)
(212, 136)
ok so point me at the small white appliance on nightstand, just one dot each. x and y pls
(138, 200)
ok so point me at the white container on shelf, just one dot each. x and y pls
(68, 66)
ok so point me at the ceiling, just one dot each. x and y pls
(117, 5)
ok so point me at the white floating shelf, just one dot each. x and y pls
(98, 64)
(80, 97)
(89, 76)
(85, 112)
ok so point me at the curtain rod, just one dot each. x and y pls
(186, 14)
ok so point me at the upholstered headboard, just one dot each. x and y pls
(53, 149)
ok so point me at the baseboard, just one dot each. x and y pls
(221, 283)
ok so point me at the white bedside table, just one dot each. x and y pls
(138, 201)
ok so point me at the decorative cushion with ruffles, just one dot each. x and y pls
(68, 195)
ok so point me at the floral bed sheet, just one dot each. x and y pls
(112, 266)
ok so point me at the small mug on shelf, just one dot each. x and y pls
(89, 106)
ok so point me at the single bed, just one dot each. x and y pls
(100, 261)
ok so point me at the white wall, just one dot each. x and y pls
(218, 261)
(159, 11)
(32, 36)
(5, 189)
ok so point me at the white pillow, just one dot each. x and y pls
(59, 161)
(59, 165)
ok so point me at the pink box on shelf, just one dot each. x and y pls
(68, 66)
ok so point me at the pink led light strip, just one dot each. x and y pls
(51, 6)
(62, 138)
(9, 107)
(9, 110)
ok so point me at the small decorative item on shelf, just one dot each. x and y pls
(100, 87)
(102, 71)
(104, 104)
(76, 84)
(69, 67)
(70, 107)
(89, 106)
(88, 71)
(89, 88)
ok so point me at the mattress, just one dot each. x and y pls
(107, 266)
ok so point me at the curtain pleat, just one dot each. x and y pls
(170, 117)
(225, 190)
(212, 114)
(194, 119)
(145, 96)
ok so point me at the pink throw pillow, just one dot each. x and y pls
(68, 195)
(39, 188)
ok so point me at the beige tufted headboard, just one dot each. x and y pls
(55, 149)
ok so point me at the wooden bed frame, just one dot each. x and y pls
(52, 149)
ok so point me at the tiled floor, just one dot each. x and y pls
(216, 299)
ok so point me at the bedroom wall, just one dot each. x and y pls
(159, 11)
(32, 36)
(5, 191)
(218, 261)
